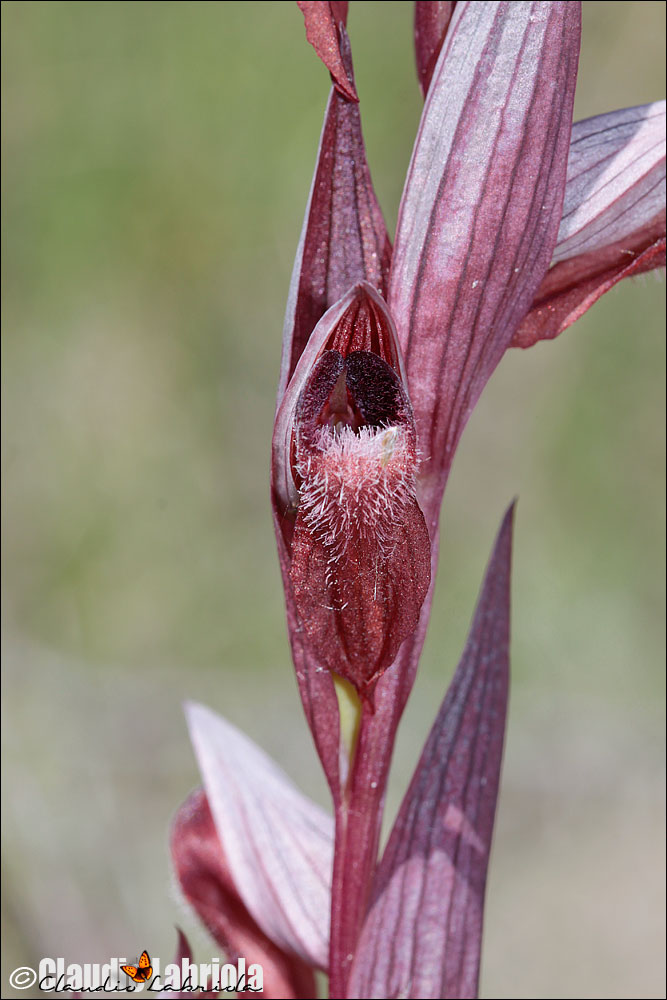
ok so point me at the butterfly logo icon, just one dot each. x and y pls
(141, 972)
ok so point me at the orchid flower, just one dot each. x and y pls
(512, 223)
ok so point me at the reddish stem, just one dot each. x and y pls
(358, 822)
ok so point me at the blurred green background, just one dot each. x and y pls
(157, 159)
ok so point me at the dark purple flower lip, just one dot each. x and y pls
(359, 321)
(360, 552)
(360, 549)
(346, 396)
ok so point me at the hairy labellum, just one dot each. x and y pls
(360, 550)
(359, 321)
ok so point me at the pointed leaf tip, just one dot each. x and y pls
(323, 23)
(613, 224)
(344, 238)
(207, 884)
(422, 936)
(432, 19)
(277, 843)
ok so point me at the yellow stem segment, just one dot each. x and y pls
(349, 711)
